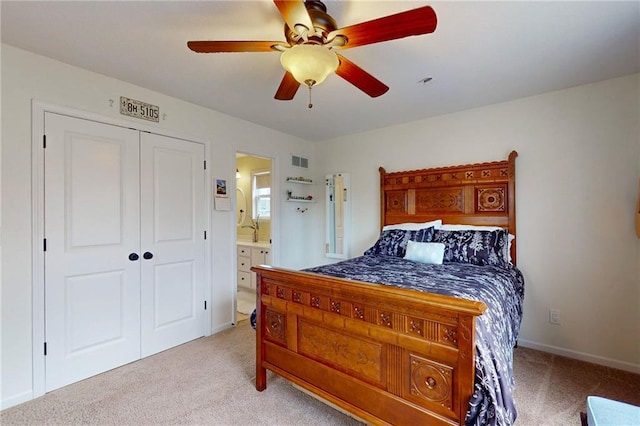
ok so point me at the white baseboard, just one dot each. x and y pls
(16, 399)
(582, 356)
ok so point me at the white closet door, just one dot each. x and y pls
(92, 289)
(172, 217)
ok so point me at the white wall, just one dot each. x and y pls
(26, 76)
(577, 176)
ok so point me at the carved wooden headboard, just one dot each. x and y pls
(472, 194)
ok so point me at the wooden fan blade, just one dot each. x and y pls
(233, 46)
(410, 23)
(360, 78)
(288, 87)
(294, 13)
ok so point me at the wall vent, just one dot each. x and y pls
(297, 161)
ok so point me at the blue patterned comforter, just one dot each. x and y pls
(500, 288)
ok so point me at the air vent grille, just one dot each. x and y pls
(298, 161)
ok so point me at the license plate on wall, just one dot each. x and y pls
(138, 109)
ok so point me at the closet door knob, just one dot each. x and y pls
(133, 257)
(147, 255)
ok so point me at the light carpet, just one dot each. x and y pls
(210, 381)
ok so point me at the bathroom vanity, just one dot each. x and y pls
(251, 254)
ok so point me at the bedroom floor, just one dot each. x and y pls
(169, 388)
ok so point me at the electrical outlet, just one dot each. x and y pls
(554, 317)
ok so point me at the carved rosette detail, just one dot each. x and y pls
(450, 335)
(280, 293)
(491, 199)
(385, 319)
(275, 326)
(396, 201)
(315, 301)
(486, 173)
(415, 326)
(335, 306)
(297, 297)
(431, 381)
(358, 312)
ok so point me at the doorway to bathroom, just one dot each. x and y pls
(254, 211)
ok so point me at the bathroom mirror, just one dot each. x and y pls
(338, 215)
(241, 206)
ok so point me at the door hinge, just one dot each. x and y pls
(44, 141)
(45, 348)
(205, 235)
(44, 244)
(205, 164)
(205, 305)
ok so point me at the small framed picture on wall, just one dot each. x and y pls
(221, 200)
(221, 187)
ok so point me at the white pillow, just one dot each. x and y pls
(450, 227)
(425, 252)
(413, 226)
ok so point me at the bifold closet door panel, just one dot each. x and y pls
(172, 241)
(92, 220)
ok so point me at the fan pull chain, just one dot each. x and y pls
(310, 104)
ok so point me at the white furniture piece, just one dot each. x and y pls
(602, 411)
(251, 254)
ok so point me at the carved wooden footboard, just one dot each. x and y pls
(385, 354)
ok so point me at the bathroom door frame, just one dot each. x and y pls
(274, 225)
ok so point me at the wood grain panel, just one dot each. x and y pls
(358, 357)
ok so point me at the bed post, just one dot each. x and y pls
(511, 168)
(466, 362)
(261, 372)
(382, 199)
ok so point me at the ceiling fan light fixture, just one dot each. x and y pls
(309, 64)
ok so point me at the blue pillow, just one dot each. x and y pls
(393, 242)
(475, 247)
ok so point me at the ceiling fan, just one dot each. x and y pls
(312, 37)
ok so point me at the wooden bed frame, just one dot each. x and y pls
(387, 355)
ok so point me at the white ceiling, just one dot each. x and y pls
(481, 53)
